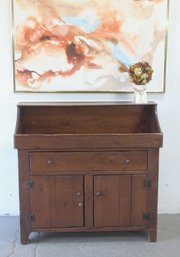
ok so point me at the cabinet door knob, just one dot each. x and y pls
(78, 193)
(49, 162)
(80, 204)
(127, 161)
(97, 193)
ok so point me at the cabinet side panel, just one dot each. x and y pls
(25, 227)
(153, 163)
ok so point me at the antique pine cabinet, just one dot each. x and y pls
(88, 167)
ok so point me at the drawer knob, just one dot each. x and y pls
(80, 204)
(49, 162)
(78, 193)
(98, 194)
(127, 161)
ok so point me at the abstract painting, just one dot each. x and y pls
(87, 45)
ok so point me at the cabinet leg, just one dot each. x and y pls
(152, 235)
(24, 236)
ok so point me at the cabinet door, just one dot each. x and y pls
(112, 200)
(57, 201)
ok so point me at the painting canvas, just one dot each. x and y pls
(87, 45)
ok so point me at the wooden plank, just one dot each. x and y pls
(90, 141)
(88, 187)
(139, 200)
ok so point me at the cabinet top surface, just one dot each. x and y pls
(87, 103)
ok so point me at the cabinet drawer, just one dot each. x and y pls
(88, 161)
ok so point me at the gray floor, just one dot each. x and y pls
(92, 244)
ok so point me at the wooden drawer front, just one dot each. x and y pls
(88, 161)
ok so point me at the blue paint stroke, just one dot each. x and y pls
(88, 28)
(121, 56)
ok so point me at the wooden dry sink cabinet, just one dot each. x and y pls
(88, 167)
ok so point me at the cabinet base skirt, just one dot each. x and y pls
(152, 234)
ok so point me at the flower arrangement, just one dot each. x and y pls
(140, 73)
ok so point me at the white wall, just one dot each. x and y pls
(168, 107)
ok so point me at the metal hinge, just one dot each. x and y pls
(29, 184)
(147, 183)
(32, 217)
(146, 216)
